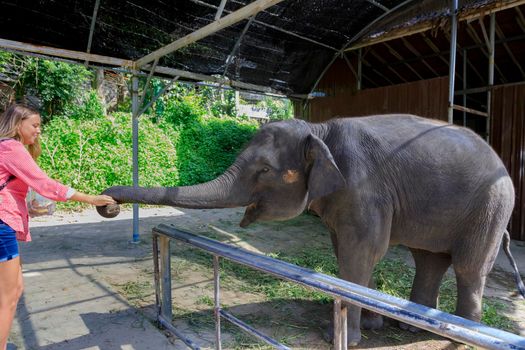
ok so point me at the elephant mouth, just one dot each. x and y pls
(250, 215)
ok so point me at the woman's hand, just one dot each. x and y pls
(102, 199)
(97, 200)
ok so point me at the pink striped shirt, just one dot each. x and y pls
(16, 160)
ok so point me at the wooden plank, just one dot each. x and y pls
(470, 110)
(165, 280)
(76, 55)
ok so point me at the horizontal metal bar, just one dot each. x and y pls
(166, 324)
(218, 80)
(251, 330)
(433, 320)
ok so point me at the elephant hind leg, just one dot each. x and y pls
(430, 268)
(470, 292)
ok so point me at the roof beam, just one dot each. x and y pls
(382, 7)
(384, 63)
(76, 55)
(226, 21)
(232, 54)
(520, 19)
(482, 46)
(220, 9)
(400, 58)
(500, 34)
(418, 54)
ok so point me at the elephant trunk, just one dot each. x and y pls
(222, 192)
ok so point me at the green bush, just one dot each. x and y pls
(91, 155)
(90, 109)
(57, 84)
(207, 147)
(278, 108)
(183, 110)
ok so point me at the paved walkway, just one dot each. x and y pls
(68, 302)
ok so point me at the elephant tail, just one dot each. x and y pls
(517, 276)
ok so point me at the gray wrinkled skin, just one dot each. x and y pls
(374, 181)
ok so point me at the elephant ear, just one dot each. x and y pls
(324, 176)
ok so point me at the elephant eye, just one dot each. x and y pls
(265, 169)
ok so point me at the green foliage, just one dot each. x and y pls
(90, 109)
(218, 102)
(183, 110)
(278, 108)
(57, 84)
(208, 146)
(91, 155)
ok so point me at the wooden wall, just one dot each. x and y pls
(427, 98)
(507, 137)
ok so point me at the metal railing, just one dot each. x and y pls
(435, 321)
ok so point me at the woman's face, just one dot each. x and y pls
(29, 129)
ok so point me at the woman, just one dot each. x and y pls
(19, 147)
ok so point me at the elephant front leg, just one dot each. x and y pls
(354, 270)
(358, 253)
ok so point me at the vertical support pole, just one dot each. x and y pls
(359, 68)
(491, 70)
(340, 325)
(217, 309)
(464, 86)
(165, 281)
(452, 71)
(135, 154)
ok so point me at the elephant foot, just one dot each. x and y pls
(109, 211)
(407, 327)
(371, 320)
(354, 338)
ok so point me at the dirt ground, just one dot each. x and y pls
(296, 322)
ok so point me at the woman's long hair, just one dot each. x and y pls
(11, 119)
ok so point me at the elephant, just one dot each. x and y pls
(375, 181)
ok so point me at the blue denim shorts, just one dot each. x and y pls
(8, 243)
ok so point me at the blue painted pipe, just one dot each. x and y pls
(252, 330)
